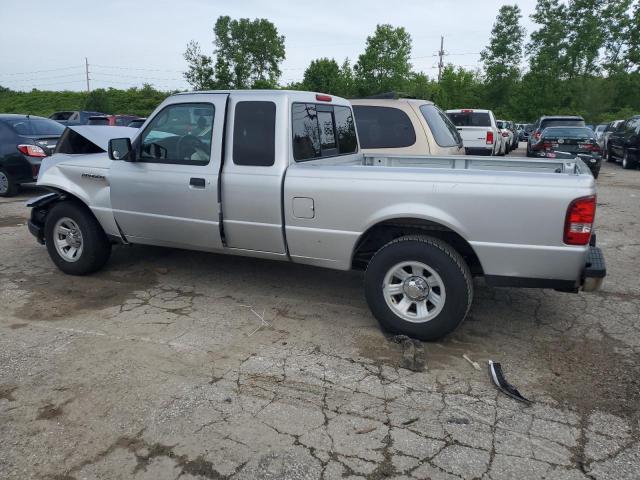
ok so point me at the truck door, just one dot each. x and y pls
(253, 173)
(169, 194)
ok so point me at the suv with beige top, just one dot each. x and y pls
(405, 126)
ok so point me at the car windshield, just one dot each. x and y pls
(601, 127)
(36, 126)
(583, 132)
(470, 119)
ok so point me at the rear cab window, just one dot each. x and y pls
(469, 118)
(444, 132)
(383, 127)
(559, 122)
(321, 130)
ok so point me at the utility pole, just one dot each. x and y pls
(86, 69)
(441, 61)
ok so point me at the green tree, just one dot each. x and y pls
(617, 35)
(503, 56)
(247, 53)
(459, 88)
(384, 65)
(585, 36)
(325, 75)
(98, 101)
(199, 74)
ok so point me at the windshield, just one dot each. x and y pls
(35, 126)
(470, 119)
(568, 132)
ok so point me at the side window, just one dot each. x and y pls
(180, 133)
(322, 131)
(254, 133)
(383, 127)
(444, 132)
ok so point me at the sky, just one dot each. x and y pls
(130, 42)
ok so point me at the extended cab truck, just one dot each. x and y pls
(279, 175)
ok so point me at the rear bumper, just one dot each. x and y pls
(591, 277)
(594, 271)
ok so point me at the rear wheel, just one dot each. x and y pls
(418, 286)
(75, 240)
(627, 162)
(8, 188)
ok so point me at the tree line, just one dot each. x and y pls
(583, 58)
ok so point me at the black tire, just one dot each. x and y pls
(529, 152)
(596, 172)
(10, 188)
(96, 248)
(445, 261)
(610, 157)
(628, 163)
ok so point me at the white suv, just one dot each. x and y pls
(479, 131)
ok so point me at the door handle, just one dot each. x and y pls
(197, 182)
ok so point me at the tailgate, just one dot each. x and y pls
(473, 136)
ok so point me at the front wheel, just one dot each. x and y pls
(627, 162)
(610, 157)
(418, 286)
(75, 240)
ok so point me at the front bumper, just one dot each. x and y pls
(594, 271)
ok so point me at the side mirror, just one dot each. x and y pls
(120, 149)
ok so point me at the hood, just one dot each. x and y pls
(100, 134)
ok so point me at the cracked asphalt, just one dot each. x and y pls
(173, 364)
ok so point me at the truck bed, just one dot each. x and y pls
(477, 163)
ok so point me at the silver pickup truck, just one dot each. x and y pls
(278, 175)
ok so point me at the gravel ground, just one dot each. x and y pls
(175, 364)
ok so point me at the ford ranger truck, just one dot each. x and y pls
(279, 175)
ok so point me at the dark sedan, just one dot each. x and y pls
(24, 141)
(577, 141)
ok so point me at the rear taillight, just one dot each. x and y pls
(489, 138)
(547, 145)
(32, 150)
(579, 222)
(537, 134)
(505, 134)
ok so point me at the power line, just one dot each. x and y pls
(39, 71)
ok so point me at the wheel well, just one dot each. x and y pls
(39, 214)
(382, 233)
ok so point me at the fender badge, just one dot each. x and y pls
(92, 176)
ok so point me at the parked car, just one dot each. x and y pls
(113, 120)
(137, 123)
(405, 126)
(24, 141)
(99, 120)
(507, 134)
(624, 143)
(526, 131)
(599, 130)
(279, 175)
(551, 121)
(579, 141)
(604, 140)
(514, 130)
(479, 131)
(73, 117)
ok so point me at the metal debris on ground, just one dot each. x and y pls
(475, 365)
(496, 375)
(263, 322)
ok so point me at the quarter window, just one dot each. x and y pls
(254, 133)
(383, 127)
(322, 131)
(180, 133)
(444, 132)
